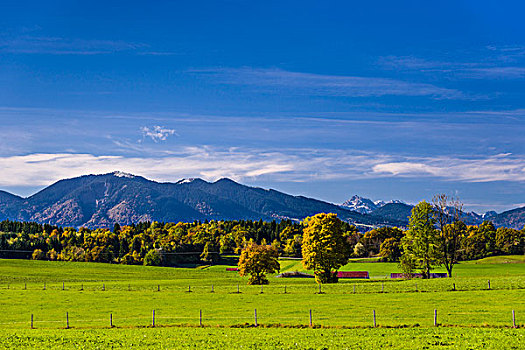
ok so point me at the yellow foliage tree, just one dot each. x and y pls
(258, 260)
(325, 248)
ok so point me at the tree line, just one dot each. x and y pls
(435, 236)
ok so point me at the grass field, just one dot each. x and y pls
(131, 293)
(267, 338)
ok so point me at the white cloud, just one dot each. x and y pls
(157, 133)
(298, 165)
(44, 169)
(404, 168)
(501, 167)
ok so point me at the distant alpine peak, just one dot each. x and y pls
(360, 204)
(364, 205)
(123, 174)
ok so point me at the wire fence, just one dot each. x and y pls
(405, 286)
(308, 318)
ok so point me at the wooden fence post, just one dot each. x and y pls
(82, 286)
(111, 320)
(382, 287)
(212, 289)
(435, 318)
(453, 286)
(489, 284)
(103, 287)
(284, 289)
(25, 286)
(63, 287)
(513, 319)
(311, 324)
(200, 318)
(416, 287)
(262, 289)
(354, 288)
(44, 285)
(31, 321)
(375, 318)
(158, 287)
(67, 320)
(255, 314)
(153, 321)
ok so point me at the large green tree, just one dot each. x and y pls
(325, 247)
(258, 260)
(422, 244)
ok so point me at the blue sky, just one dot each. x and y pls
(325, 99)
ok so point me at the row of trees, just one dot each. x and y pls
(175, 243)
(436, 236)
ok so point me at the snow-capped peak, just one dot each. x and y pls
(122, 174)
(364, 205)
(379, 203)
(186, 181)
(360, 204)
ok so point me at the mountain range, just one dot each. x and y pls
(400, 211)
(103, 200)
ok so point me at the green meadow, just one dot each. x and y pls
(342, 314)
(266, 338)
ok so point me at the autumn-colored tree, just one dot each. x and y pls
(510, 241)
(373, 239)
(325, 247)
(38, 254)
(258, 260)
(152, 258)
(422, 244)
(390, 250)
(479, 241)
(293, 246)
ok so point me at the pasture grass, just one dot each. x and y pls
(266, 338)
(131, 293)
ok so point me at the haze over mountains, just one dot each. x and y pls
(103, 200)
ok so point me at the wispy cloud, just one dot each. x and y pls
(490, 63)
(282, 81)
(29, 44)
(157, 133)
(494, 73)
(293, 165)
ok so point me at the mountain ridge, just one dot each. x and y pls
(117, 197)
(102, 200)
